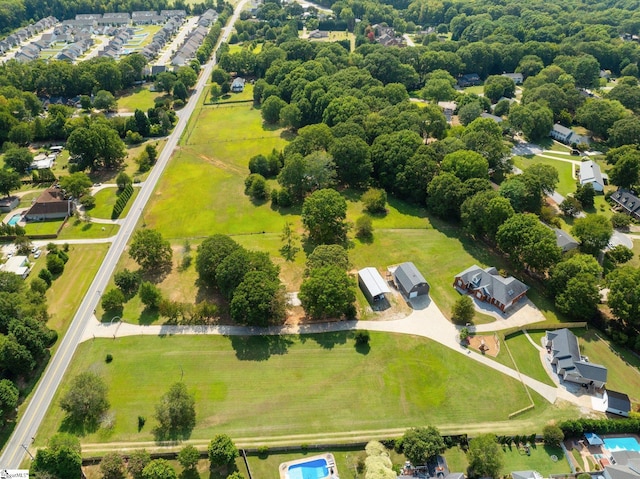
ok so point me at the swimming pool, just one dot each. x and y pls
(622, 444)
(315, 469)
(14, 220)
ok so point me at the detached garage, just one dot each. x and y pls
(410, 281)
(372, 284)
(617, 403)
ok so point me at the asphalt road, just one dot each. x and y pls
(26, 430)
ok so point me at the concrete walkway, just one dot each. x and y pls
(426, 320)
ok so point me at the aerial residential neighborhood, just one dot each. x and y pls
(297, 240)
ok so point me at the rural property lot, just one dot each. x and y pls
(261, 387)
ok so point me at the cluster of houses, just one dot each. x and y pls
(24, 34)
(77, 42)
(192, 42)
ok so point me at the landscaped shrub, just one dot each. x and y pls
(46, 276)
(88, 202)
(54, 264)
(108, 359)
(122, 200)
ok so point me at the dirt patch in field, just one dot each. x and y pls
(485, 344)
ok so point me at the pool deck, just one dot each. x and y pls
(328, 457)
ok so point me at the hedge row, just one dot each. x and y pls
(121, 202)
(577, 427)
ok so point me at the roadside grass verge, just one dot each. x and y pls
(105, 200)
(297, 381)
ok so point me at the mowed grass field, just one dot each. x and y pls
(202, 189)
(254, 388)
(566, 183)
(138, 98)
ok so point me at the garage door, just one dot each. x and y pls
(413, 294)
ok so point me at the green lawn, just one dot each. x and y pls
(245, 95)
(202, 189)
(527, 358)
(48, 227)
(540, 460)
(106, 199)
(456, 460)
(304, 385)
(139, 97)
(76, 229)
(567, 183)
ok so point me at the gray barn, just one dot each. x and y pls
(410, 281)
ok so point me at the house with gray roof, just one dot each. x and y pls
(410, 281)
(115, 18)
(489, 286)
(564, 353)
(617, 403)
(489, 116)
(526, 475)
(590, 173)
(372, 284)
(567, 135)
(627, 466)
(565, 241)
(627, 201)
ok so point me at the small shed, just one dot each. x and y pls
(617, 403)
(410, 281)
(372, 284)
(238, 85)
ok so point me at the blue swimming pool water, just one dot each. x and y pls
(14, 220)
(316, 469)
(622, 444)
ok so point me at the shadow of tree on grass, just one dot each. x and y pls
(259, 348)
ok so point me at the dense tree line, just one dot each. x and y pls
(24, 336)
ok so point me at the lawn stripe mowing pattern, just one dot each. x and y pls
(527, 358)
(282, 385)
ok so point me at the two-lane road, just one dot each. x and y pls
(27, 428)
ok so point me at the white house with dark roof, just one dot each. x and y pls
(627, 201)
(516, 77)
(489, 286)
(590, 173)
(564, 353)
(566, 135)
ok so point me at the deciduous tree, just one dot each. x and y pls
(86, 399)
(150, 250)
(485, 456)
(422, 444)
(176, 413)
(323, 215)
(222, 451)
(594, 232)
(327, 292)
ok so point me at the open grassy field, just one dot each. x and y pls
(259, 387)
(105, 200)
(207, 174)
(527, 358)
(140, 97)
(245, 95)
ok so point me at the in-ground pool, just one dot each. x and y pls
(315, 469)
(622, 444)
(14, 220)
